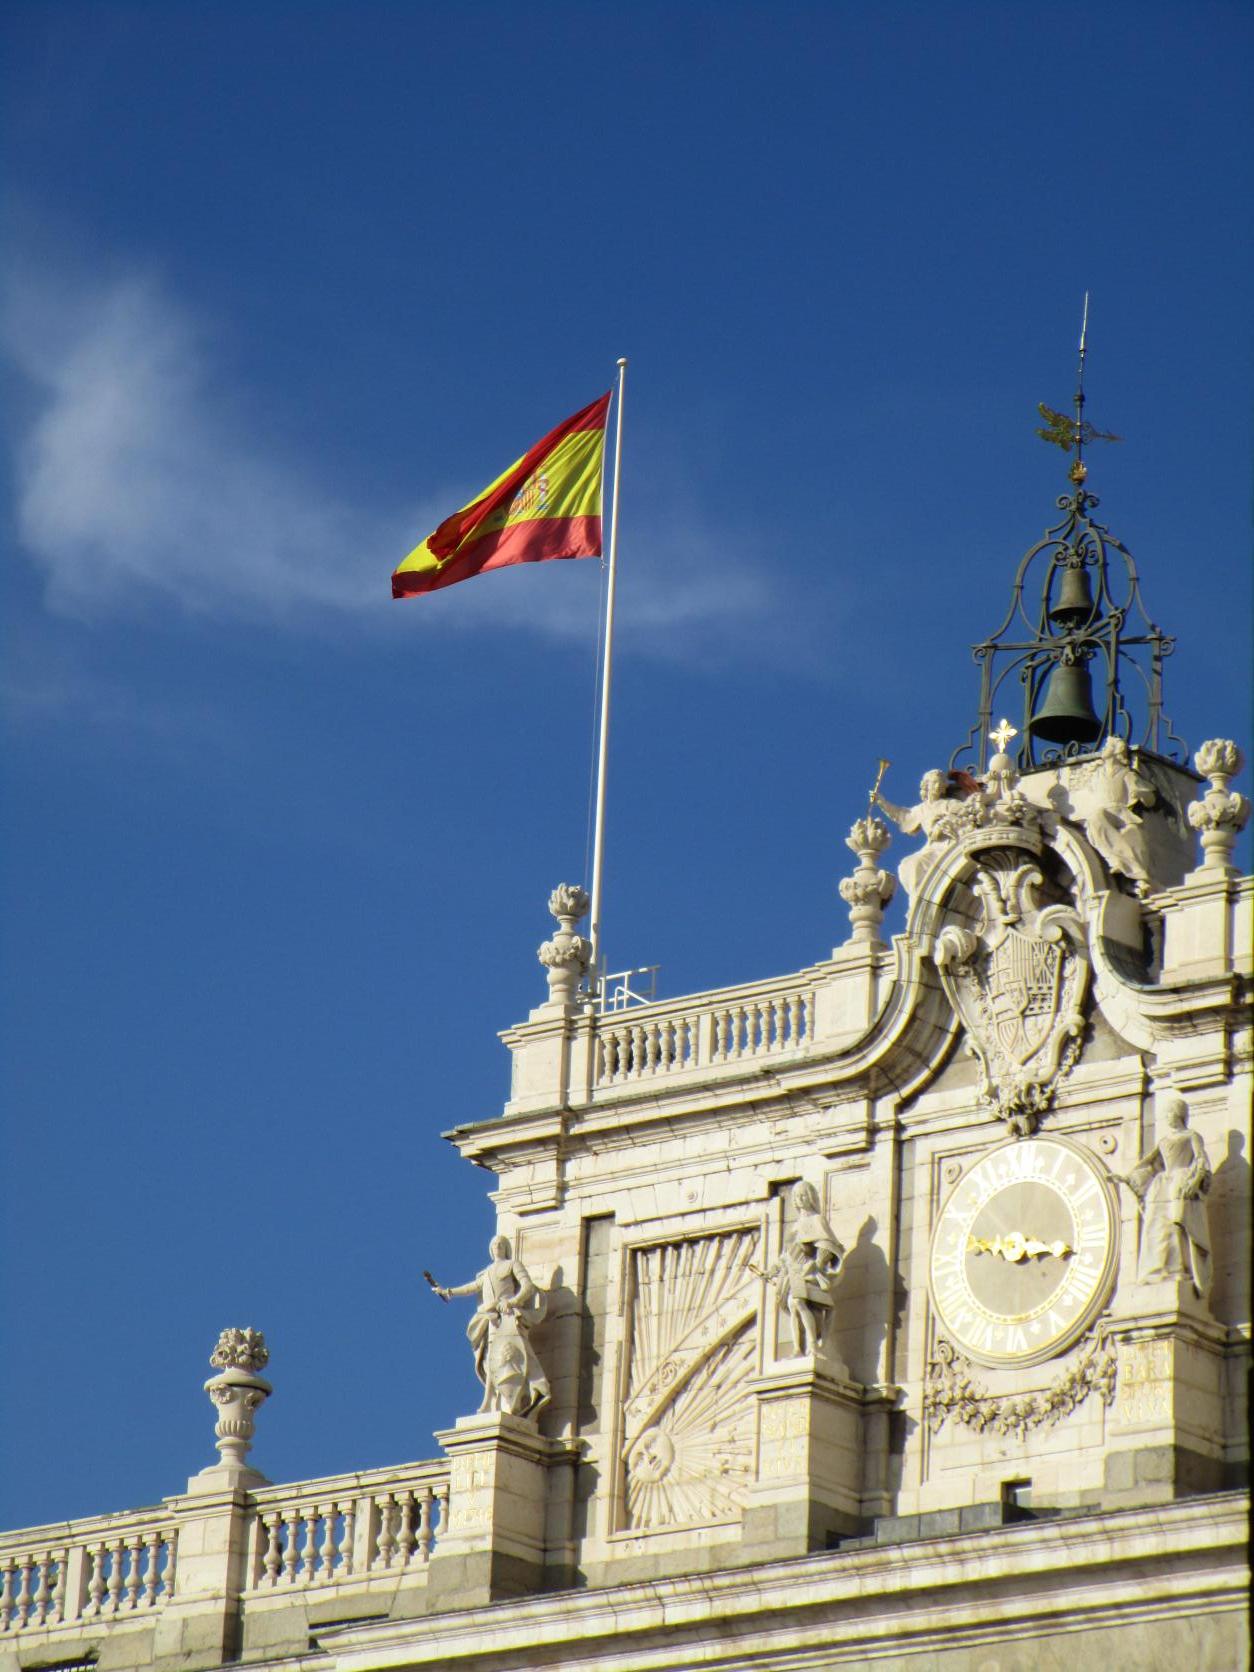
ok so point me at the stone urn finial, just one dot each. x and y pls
(566, 956)
(1221, 814)
(238, 1392)
(869, 889)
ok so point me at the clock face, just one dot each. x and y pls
(1023, 1253)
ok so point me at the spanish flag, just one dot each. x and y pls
(547, 504)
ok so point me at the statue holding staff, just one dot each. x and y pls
(510, 1306)
(932, 814)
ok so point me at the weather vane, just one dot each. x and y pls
(1074, 433)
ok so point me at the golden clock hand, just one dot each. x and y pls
(1014, 1246)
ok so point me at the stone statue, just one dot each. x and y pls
(1169, 1184)
(932, 814)
(509, 1307)
(805, 1273)
(1110, 813)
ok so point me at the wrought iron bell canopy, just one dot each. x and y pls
(1086, 655)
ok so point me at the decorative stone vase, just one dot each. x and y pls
(1221, 814)
(238, 1392)
(869, 889)
(567, 955)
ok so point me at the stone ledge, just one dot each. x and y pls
(1181, 1562)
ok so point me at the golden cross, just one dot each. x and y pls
(1001, 737)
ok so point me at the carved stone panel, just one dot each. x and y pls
(688, 1416)
(1018, 979)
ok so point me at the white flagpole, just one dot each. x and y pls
(598, 837)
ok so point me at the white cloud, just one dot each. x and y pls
(138, 482)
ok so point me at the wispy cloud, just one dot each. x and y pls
(139, 481)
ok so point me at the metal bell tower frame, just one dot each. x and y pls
(1088, 620)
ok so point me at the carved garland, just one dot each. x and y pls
(949, 1391)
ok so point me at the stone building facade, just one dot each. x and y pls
(894, 1312)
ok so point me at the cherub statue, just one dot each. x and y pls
(805, 1273)
(509, 1307)
(1169, 1183)
(932, 814)
(1110, 804)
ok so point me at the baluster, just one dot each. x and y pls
(24, 1592)
(117, 1563)
(601, 1075)
(63, 1578)
(291, 1556)
(720, 1035)
(133, 1580)
(387, 1537)
(310, 1549)
(441, 1498)
(405, 1539)
(650, 1049)
(43, 1596)
(152, 1572)
(95, 1589)
(273, 1560)
(425, 1535)
(171, 1555)
(6, 1597)
(330, 1549)
(350, 1533)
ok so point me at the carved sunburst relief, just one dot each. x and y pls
(688, 1418)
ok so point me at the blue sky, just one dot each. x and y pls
(282, 285)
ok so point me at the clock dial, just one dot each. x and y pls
(1023, 1252)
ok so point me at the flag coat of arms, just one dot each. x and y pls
(546, 505)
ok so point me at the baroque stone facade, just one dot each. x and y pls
(922, 1268)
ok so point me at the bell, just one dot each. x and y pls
(1065, 712)
(1073, 602)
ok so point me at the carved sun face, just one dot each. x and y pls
(1023, 1252)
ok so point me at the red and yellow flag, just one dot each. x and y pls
(546, 505)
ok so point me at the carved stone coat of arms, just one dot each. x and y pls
(1018, 981)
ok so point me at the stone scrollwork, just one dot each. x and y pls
(949, 1392)
(688, 1416)
(1018, 982)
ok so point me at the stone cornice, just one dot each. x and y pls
(1137, 1566)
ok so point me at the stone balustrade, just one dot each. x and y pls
(87, 1578)
(348, 1527)
(91, 1571)
(733, 1025)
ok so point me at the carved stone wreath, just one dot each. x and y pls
(949, 1391)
